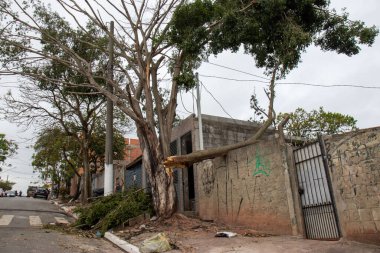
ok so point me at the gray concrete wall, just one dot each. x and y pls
(248, 187)
(354, 164)
(218, 131)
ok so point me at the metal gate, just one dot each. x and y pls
(314, 186)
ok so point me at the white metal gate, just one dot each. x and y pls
(314, 186)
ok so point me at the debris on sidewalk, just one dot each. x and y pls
(157, 243)
(225, 234)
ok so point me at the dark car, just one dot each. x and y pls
(41, 193)
(31, 190)
(98, 192)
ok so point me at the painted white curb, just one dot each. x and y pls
(121, 243)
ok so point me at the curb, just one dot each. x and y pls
(124, 245)
(121, 243)
(66, 209)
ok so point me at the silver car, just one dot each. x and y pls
(11, 193)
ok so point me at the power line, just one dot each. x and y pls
(8, 86)
(184, 107)
(233, 79)
(295, 83)
(237, 70)
(217, 101)
(332, 85)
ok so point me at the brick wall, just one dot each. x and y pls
(354, 163)
(247, 187)
(132, 149)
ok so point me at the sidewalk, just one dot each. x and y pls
(193, 236)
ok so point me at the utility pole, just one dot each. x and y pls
(199, 115)
(108, 168)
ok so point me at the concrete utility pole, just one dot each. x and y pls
(199, 115)
(108, 167)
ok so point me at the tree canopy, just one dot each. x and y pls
(309, 124)
(6, 185)
(7, 149)
(58, 155)
(274, 32)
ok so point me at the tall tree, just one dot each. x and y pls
(149, 45)
(308, 124)
(57, 155)
(7, 149)
(57, 93)
(6, 185)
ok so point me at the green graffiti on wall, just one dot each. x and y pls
(262, 165)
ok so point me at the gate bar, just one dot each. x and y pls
(326, 166)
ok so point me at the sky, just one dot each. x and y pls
(231, 98)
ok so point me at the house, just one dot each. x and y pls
(132, 151)
(217, 131)
(326, 189)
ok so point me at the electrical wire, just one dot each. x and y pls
(184, 107)
(330, 85)
(233, 79)
(7, 86)
(216, 101)
(237, 70)
(295, 83)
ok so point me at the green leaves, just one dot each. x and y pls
(56, 155)
(308, 124)
(343, 35)
(274, 32)
(6, 185)
(7, 149)
(188, 26)
(111, 211)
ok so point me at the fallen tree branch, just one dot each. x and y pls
(197, 156)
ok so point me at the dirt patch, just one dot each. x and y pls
(187, 234)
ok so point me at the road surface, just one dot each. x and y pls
(21, 229)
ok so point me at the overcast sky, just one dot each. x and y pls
(232, 97)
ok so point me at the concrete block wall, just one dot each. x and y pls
(354, 163)
(218, 131)
(246, 187)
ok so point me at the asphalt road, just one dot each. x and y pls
(21, 229)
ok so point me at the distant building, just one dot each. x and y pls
(132, 151)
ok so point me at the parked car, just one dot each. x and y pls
(11, 193)
(98, 192)
(41, 193)
(31, 190)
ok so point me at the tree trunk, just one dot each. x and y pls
(161, 183)
(78, 191)
(86, 186)
(58, 189)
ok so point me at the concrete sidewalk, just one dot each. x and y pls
(193, 236)
(194, 242)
